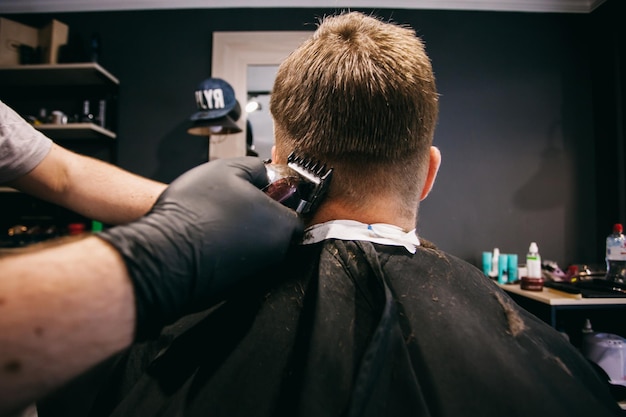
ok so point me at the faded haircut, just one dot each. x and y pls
(359, 95)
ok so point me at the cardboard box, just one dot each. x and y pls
(51, 37)
(12, 35)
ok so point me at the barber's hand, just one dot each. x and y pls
(209, 230)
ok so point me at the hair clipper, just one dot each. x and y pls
(300, 185)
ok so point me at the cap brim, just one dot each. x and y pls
(209, 114)
(234, 113)
(220, 126)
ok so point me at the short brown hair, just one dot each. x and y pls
(359, 95)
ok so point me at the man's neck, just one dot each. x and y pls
(376, 212)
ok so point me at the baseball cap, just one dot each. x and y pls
(214, 98)
(218, 109)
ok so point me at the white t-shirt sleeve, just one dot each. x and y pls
(22, 147)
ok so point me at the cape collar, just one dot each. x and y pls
(382, 233)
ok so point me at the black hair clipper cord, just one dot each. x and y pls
(300, 185)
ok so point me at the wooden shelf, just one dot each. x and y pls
(87, 73)
(30, 88)
(75, 131)
(559, 298)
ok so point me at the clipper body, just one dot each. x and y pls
(300, 185)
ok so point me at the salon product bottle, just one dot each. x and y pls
(495, 257)
(533, 262)
(616, 255)
(586, 336)
(95, 46)
(533, 281)
(503, 264)
(102, 110)
(96, 226)
(512, 268)
(87, 116)
(75, 229)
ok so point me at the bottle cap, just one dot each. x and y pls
(533, 247)
(617, 228)
(96, 226)
(75, 228)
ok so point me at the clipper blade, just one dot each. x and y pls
(300, 185)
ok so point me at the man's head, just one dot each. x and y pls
(360, 96)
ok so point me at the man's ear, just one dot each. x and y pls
(433, 168)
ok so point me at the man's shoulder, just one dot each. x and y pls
(395, 261)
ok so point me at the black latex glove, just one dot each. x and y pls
(209, 230)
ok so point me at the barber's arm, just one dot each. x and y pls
(62, 309)
(93, 188)
(68, 307)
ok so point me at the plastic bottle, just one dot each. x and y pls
(587, 334)
(533, 262)
(96, 226)
(87, 116)
(95, 46)
(75, 228)
(503, 263)
(616, 255)
(512, 268)
(494, 263)
(533, 281)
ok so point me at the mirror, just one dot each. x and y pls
(260, 130)
(233, 54)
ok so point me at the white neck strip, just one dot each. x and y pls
(382, 233)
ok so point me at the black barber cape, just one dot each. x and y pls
(352, 329)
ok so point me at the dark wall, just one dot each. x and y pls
(609, 97)
(516, 123)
